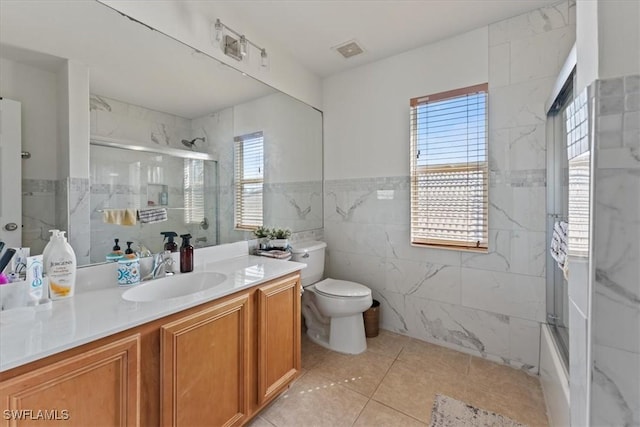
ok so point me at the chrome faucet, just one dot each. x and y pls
(160, 262)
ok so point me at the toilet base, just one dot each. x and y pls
(346, 335)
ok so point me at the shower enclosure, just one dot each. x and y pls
(185, 183)
(557, 205)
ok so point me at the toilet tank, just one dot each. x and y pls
(312, 254)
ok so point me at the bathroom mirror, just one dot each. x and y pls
(84, 72)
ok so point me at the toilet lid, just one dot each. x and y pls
(342, 288)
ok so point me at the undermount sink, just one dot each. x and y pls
(174, 286)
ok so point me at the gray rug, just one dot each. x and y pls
(449, 412)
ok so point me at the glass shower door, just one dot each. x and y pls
(557, 210)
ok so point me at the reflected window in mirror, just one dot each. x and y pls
(249, 178)
(193, 191)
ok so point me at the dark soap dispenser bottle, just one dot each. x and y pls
(186, 254)
(128, 251)
(170, 245)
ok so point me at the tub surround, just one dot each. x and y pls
(615, 291)
(98, 310)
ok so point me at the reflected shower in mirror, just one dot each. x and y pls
(141, 88)
(182, 189)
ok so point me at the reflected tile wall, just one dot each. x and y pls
(492, 304)
(615, 394)
(116, 119)
(38, 212)
(79, 208)
(294, 205)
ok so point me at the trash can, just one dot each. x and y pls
(372, 320)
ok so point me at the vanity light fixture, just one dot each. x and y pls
(237, 45)
(243, 46)
(218, 30)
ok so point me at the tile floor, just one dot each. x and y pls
(394, 383)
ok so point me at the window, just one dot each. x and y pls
(249, 177)
(449, 170)
(193, 191)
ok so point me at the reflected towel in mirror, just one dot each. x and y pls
(152, 215)
(119, 216)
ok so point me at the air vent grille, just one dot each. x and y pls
(349, 49)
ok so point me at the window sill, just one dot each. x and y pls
(451, 248)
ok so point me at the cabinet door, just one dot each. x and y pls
(278, 336)
(204, 366)
(97, 388)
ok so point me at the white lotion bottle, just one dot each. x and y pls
(47, 248)
(61, 268)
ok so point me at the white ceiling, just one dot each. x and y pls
(142, 67)
(309, 29)
(126, 60)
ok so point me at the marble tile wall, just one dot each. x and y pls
(38, 212)
(295, 204)
(492, 304)
(615, 324)
(79, 231)
(117, 119)
(49, 204)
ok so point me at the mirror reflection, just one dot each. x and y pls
(116, 120)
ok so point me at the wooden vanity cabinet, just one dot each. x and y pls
(278, 336)
(216, 364)
(205, 366)
(98, 387)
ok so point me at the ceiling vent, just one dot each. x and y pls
(349, 49)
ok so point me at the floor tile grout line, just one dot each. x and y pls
(399, 411)
(397, 359)
(361, 411)
(466, 376)
(370, 398)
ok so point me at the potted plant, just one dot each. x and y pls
(279, 238)
(263, 234)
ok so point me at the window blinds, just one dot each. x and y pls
(193, 191)
(449, 169)
(249, 179)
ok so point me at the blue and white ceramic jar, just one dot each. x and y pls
(128, 271)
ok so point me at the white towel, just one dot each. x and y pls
(558, 247)
(152, 215)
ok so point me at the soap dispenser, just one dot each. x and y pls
(170, 245)
(116, 252)
(186, 254)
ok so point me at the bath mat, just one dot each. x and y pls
(449, 412)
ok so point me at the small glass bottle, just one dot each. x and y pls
(186, 254)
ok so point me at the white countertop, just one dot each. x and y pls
(101, 312)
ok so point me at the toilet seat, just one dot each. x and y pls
(341, 288)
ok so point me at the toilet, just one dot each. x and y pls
(332, 309)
